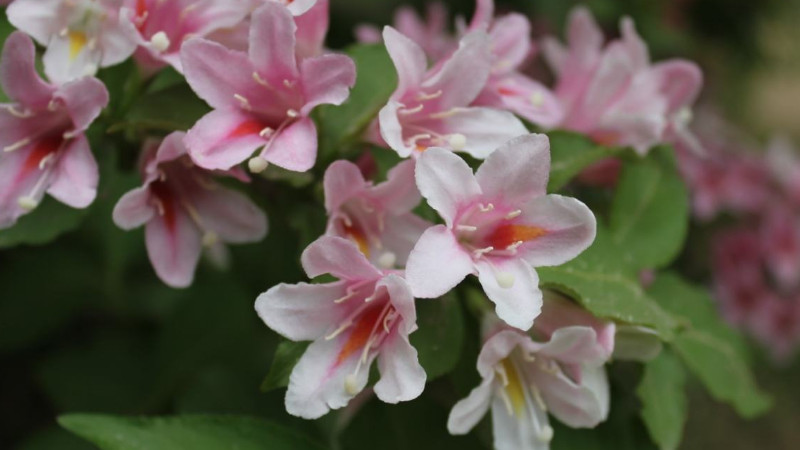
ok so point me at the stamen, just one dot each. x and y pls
(504, 279)
(12, 109)
(466, 228)
(501, 370)
(412, 141)
(457, 141)
(257, 164)
(513, 214)
(339, 330)
(53, 105)
(43, 162)
(187, 10)
(423, 96)
(259, 80)
(27, 203)
(90, 70)
(537, 397)
(159, 206)
(513, 247)
(266, 132)
(684, 115)
(92, 44)
(351, 384)
(245, 103)
(482, 251)
(415, 110)
(387, 321)
(488, 207)
(292, 113)
(288, 84)
(160, 41)
(70, 134)
(64, 31)
(506, 400)
(546, 434)
(17, 145)
(537, 99)
(387, 260)
(446, 114)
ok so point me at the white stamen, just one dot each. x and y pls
(159, 206)
(259, 80)
(537, 99)
(684, 115)
(513, 247)
(70, 134)
(423, 96)
(292, 113)
(92, 44)
(210, 238)
(501, 370)
(528, 357)
(338, 331)
(387, 260)
(257, 164)
(17, 145)
(514, 214)
(486, 208)
(43, 162)
(266, 132)
(351, 384)
(411, 110)
(90, 69)
(27, 203)
(446, 114)
(505, 280)
(288, 84)
(546, 433)
(388, 320)
(467, 228)
(12, 109)
(482, 251)
(64, 31)
(245, 103)
(537, 397)
(457, 141)
(53, 105)
(506, 400)
(160, 41)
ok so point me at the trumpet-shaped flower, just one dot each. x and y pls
(160, 27)
(184, 208)
(524, 379)
(80, 35)
(377, 218)
(42, 143)
(366, 315)
(431, 108)
(429, 32)
(498, 224)
(261, 99)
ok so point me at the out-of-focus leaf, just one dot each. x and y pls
(726, 376)
(48, 221)
(184, 432)
(286, 357)
(664, 402)
(342, 125)
(170, 109)
(54, 438)
(440, 336)
(569, 154)
(607, 287)
(650, 213)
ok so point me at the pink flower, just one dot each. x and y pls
(159, 27)
(784, 165)
(261, 99)
(524, 379)
(367, 314)
(614, 94)
(183, 209)
(777, 326)
(780, 234)
(80, 35)
(430, 33)
(498, 224)
(430, 108)
(44, 148)
(377, 218)
(738, 276)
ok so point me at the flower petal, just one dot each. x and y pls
(303, 311)
(437, 263)
(294, 148)
(518, 304)
(343, 180)
(511, 42)
(402, 377)
(446, 181)
(339, 257)
(133, 209)
(485, 129)
(517, 171)
(408, 57)
(401, 235)
(312, 26)
(582, 405)
(399, 194)
(463, 75)
(272, 43)
(223, 138)
(681, 81)
(84, 99)
(18, 74)
(229, 213)
(217, 73)
(174, 248)
(76, 175)
(569, 229)
(327, 79)
(470, 410)
(391, 130)
(38, 18)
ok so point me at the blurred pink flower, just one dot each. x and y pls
(44, 148)
(261, 99)
(499, 222)
(366, 315)
(430, 33)
(184, 208)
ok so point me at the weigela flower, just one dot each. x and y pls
(184, 208)
(430, 32)
(739, 278)
(784, 165)
(430, 108)
(780, 237)
(159, 27)
(499, 223)
(366, 315)
(261, 99)
(80, 35)
(377, 218)
(44, 148)
(559, 371)
(614, 94)
(776, 325)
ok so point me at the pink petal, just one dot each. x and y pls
(519, 432)
(134, 209)
(391, 131)
(484, 13)
(446, 181)
(312, 26)
(524, 97)
(511, 42)
(76, 175)
(84, 99)
(559, 312)
(519, 303)
(302, 312)
(681, 81)
(173, 245)
(408, 57)
(469, 411)
(217, 73)
(18, 74)
(294, 148)
(223, 138)
(584, 35)
(401, 234)
(517, 171)
(327, 79)
(230, 214)
(581, 405)
(342, 181)
(498, 347)
(485, 129)
(272, 43)
(437, 263)
(402, 377)
(402, 300)
(399, 194)
(576, 344)
(569, 227)
(339, 257)
(463, 75)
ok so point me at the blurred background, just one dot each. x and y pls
(86, 326)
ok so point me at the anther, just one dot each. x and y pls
(17, 145)
(546, 433)
(338, 331)
(514, 214)
(351, 384)
(257, 164)
(505, 280)
(266, 132)
(415, 110)
(457, 141)
(160, 41)
(292, 113)
(486, 208)
(288, 84)
(467, 228)
(423, 96)
(12, 109)
(27, 203)
(387, 260)
(70, 134)
(43, 162)
(482, 251)
(259, 80)
(537, 99)
(245, 103)
(210, 238)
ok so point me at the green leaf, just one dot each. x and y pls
(570, 153)
(343, 125)
(286, 357)
(43, 225)
(607, 287)
(726, 376)
(664, 403)
(440, 335)
(650, 213)
(184, 432)
(170, 109)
